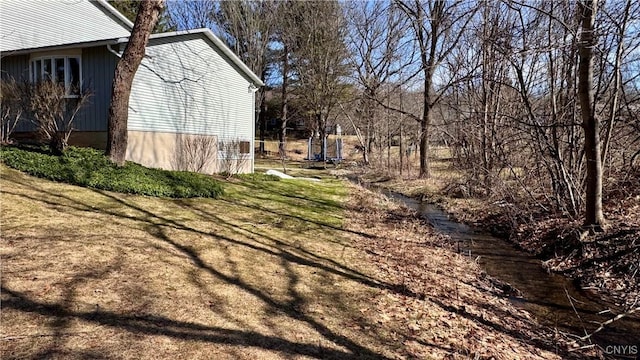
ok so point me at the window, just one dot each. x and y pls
(245, 147)
(234, 149)
(64, 70)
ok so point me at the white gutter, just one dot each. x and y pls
(85, 44)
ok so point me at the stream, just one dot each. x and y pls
(543, 294)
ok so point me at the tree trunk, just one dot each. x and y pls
(370, 111)
(283, 123)
(388, 135)
(617, 78)
(148, 12)
(424, 144)
(321, 133)
(401, 150)
(594, 217)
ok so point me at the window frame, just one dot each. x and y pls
(239, 154)
(52, 59)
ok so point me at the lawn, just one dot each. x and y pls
(270, 270)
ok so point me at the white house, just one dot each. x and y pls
(192, 99)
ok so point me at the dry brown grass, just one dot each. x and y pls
(269, 271)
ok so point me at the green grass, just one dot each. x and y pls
(90, 168)
(254, 177)
(317, 202)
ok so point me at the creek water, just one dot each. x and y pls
(545, 295)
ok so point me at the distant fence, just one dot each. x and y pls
(298, 149)
(270, 147)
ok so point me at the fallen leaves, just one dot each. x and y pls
(448, 307)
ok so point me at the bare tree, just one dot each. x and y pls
(11, 108)
(287, 34)
(192, 14)
(587, 11)
(520, 110)
(234, 156)
(319, 63)
(438, 26)
(248, 27)
(52, 111)
(378, 55)
(117, 138)
(196, 153)
(129, 8)
(620, 43)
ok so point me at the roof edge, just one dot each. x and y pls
(116, 13)
(219, 44)
(84, 44)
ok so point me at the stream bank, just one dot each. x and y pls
(607, 263)
(555, 300)
(442, 304)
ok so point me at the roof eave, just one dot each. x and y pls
(85, 44)
(116, 13)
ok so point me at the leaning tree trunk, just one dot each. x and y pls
(146, 19)
(594, 217)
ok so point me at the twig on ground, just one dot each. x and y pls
(604, 324)
(583, 347)
(17, 337)
(576, 311)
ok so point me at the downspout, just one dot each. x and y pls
(253, 89)
(113, 51)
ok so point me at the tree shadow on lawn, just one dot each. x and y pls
(159, 226)
(252, 233)
(292, 190)
(159, 325)
(153, 219)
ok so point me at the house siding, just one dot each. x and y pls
(184, 85)
(98, 67)
(17, 67)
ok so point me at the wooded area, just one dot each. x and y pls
(537, 100)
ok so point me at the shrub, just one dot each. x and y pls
(10, 108)
(257, 177)
(47, 104)
(90, 168)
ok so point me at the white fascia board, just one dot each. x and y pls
(116, 13)
(218, 43)
(83, 45)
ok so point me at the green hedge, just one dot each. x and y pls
(90, 168)
(257, 177)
